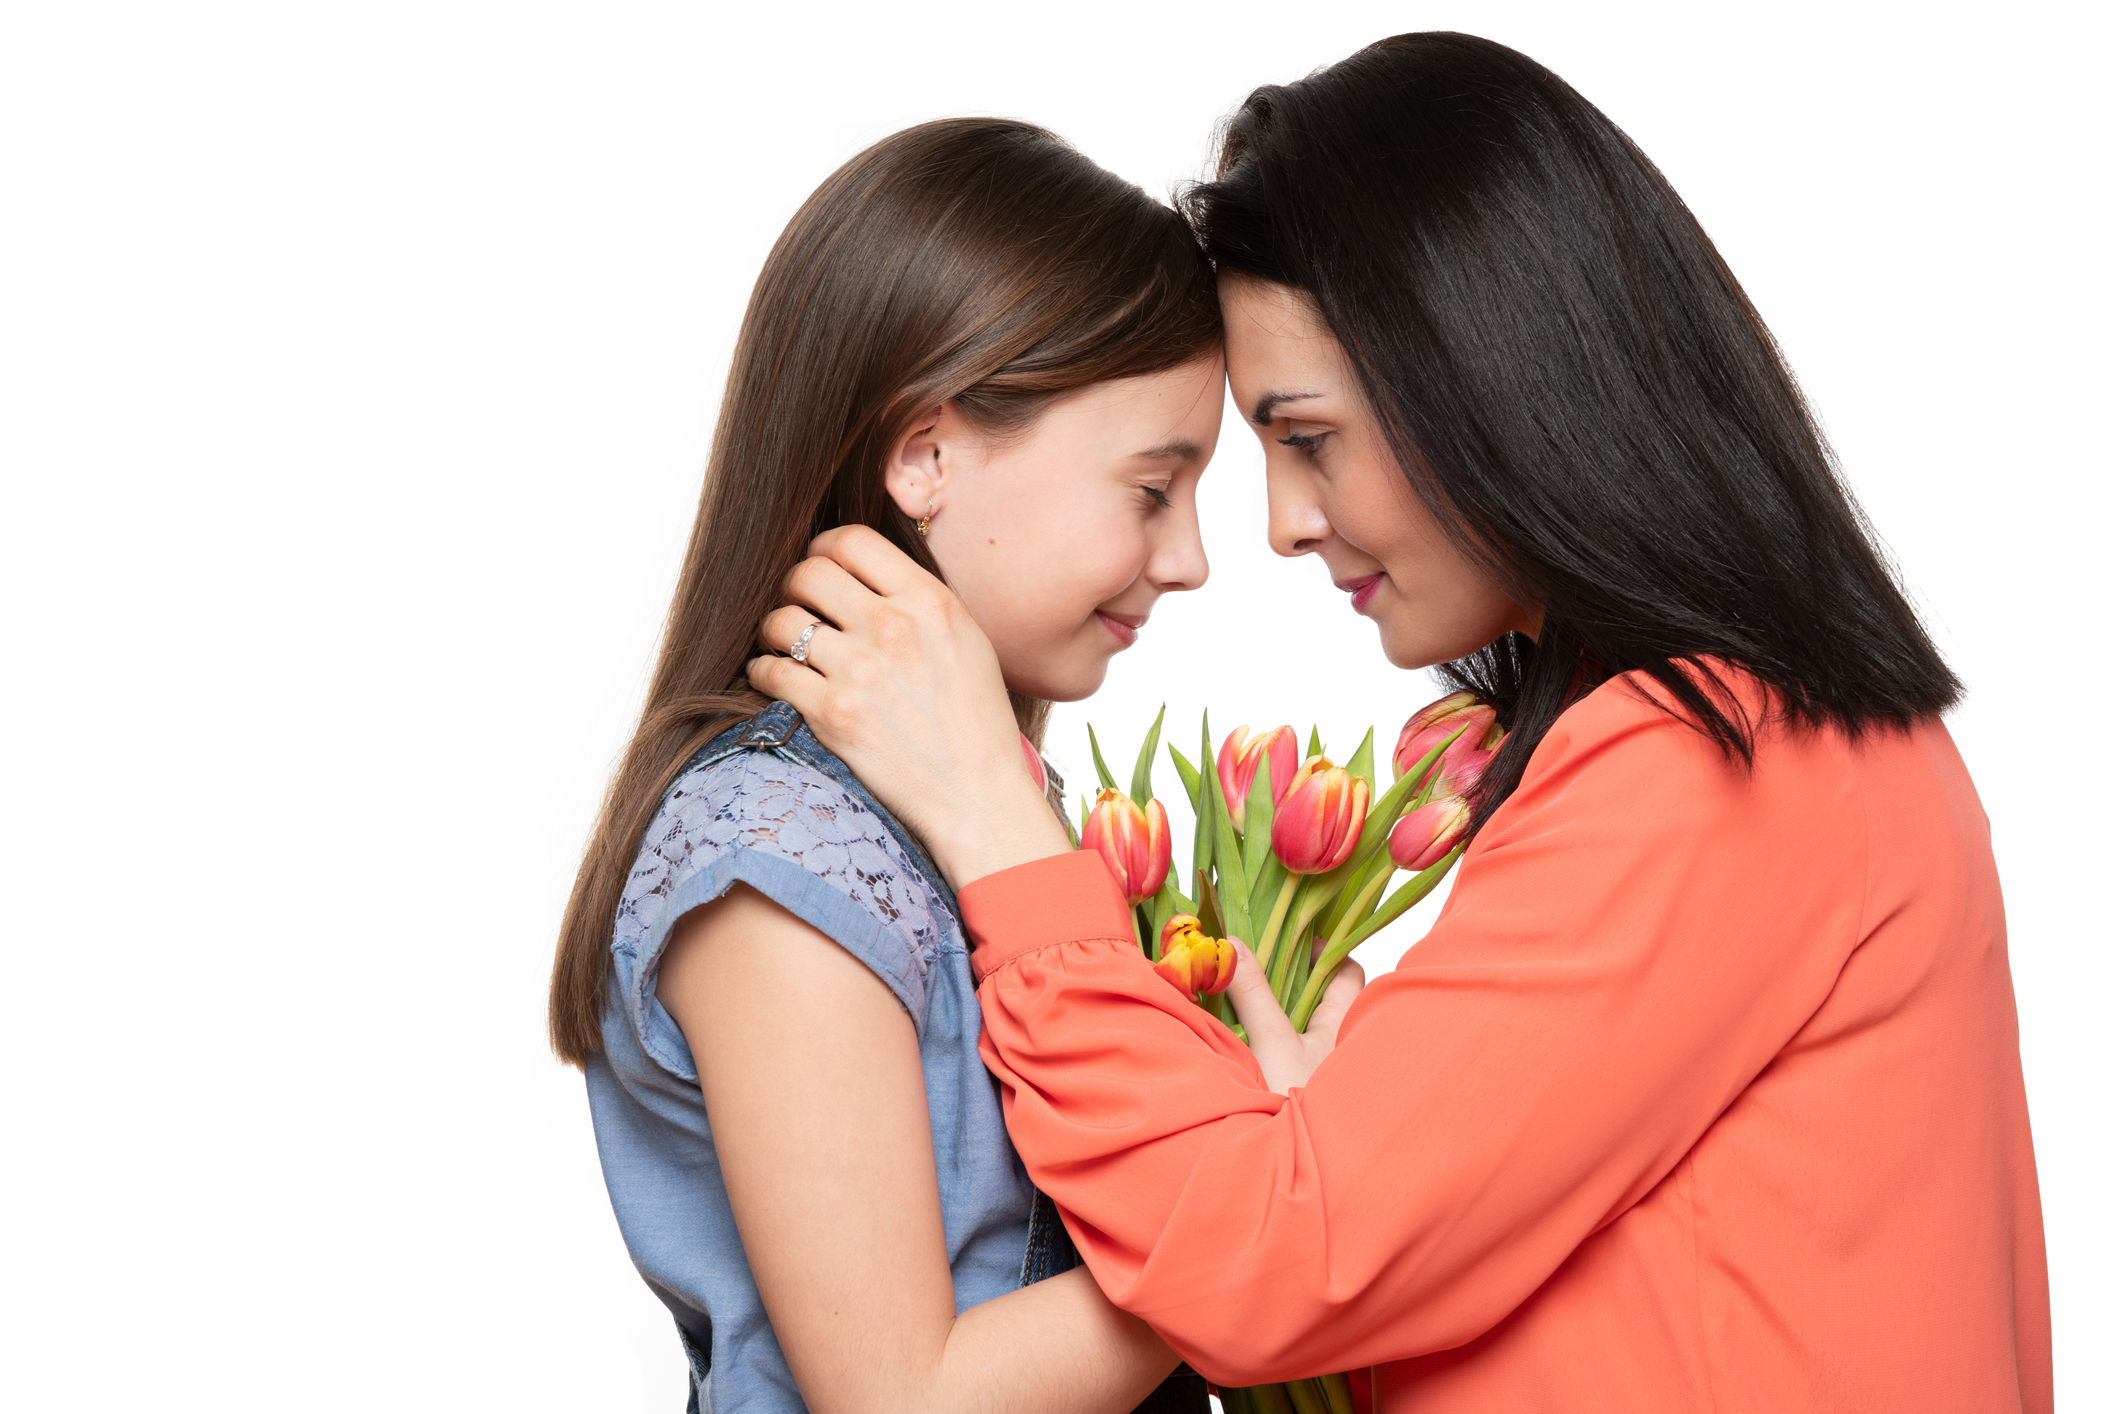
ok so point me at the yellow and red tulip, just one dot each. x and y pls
(1240, 758)
(1437, 721)
(1136, 844)
(1317, 824)
(1192, 961)
(1428, 834)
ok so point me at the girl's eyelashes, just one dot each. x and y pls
(1307, 443)
(1156, 494)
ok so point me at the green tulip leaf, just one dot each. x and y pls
(1266, 887)
(1203, 808)
(1232, 884)
(1210, 916)
(1363, 762)
(1097, 759)
(1259, 818)
(1140, 786)
(1187, 776)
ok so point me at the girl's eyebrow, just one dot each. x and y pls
(1263, 410)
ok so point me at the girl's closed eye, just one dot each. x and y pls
(1307, 443)
(1159, 496)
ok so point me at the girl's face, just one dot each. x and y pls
(1335, 490)
(1061, 540)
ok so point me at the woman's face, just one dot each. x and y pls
(1335, 490)
(1060, 540)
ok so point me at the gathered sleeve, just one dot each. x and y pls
(1632, 938)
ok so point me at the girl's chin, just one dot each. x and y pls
(1054, 682)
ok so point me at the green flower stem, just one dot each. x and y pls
(1268, 1399)
(1264, 948)
(1289, 978)
(1308, 906)
(1359, 908)
(1410, 893)
(1340, 1396)
(1306, 1396)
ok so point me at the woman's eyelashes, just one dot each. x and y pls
(1306, 442)
(1157, 496)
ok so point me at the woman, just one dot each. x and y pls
(1007, 361)
(1703, 1092)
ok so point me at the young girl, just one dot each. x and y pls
(1703, 1092)
(1006, 360)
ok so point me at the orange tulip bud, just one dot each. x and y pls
(1428, 834)
(1136, 845)
(1437, 721)
(1318, 822)
(1034, 763)
(1193, 961)
(1239, 759)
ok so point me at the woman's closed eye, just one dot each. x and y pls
(1306, 442)
(1157, 495)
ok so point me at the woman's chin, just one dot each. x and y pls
(1411, 653)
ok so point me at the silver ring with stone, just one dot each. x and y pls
(800, 649)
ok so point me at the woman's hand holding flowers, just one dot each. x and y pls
(1287, 1056)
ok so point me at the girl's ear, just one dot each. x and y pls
(919, 466)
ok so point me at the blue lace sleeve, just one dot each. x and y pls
(800, 839)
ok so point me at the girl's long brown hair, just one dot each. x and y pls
(978, 261)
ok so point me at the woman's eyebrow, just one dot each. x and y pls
(1186, 451)
(1263, 410)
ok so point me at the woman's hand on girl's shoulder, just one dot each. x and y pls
(899, 682)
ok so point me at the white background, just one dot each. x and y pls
(357, 366)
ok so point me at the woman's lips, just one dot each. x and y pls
(1124, 629)
(1360, 589)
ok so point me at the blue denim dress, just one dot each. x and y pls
(765, 805)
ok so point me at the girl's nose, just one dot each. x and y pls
(1181, 561)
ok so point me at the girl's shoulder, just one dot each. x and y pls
(787, 820)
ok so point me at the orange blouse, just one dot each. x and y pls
(1703, 1093)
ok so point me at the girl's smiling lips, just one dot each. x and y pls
(1124, 627)
(1359, 589)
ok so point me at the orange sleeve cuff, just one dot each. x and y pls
(1063, 898)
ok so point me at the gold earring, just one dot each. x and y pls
(922, 526)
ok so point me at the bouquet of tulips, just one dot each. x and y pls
(1295, 860)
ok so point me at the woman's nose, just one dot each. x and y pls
(1296, 523)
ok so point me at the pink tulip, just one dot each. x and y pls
(1428, 834)
(1033, 763)
(1136, 846)
(1239, 759)
(1438, 721)
(1318, 822)
(1192, 961)
(1462, 770)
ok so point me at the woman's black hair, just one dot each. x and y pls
(1576, 387)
